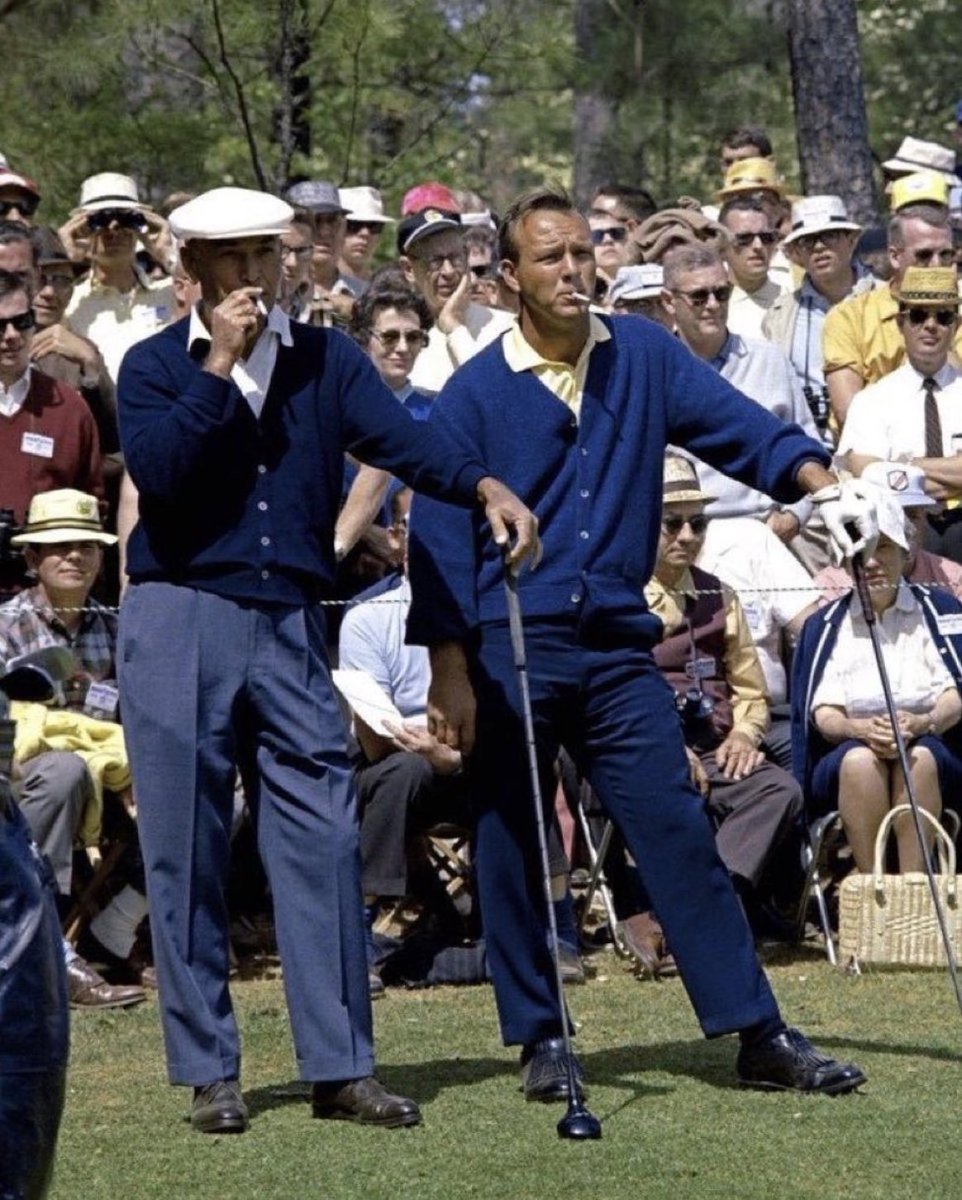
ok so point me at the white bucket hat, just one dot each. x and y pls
(364, 204)
(819, 214)
(108, 190)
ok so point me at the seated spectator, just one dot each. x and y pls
(48, 438)
(915, 413)
(117, 305)
(707, 656)
(752, 240)
(844, 750)
(364, 224)
(57, 787)
(406, 781)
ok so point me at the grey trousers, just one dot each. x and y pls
(52, 795)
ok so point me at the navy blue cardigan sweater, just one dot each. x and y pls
(246, 507)
(594, 483)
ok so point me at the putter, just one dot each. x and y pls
(861, 585)
(578, 1123)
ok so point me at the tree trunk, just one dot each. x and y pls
(595, 110)
(292, 120)
(830, 122)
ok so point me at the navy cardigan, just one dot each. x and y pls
(246, 507)
(815, 646)
(595, 483)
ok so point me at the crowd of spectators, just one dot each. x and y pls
(788, 298)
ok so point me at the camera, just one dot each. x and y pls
(817, 400)
(694, 707)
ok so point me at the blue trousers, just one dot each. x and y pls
(615, 715)
(209, 686)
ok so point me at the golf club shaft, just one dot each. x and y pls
(864, 595)
(520, 662)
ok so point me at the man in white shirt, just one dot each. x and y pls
(914, 414)
(753, 240)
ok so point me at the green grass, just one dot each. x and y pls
(675, 1126)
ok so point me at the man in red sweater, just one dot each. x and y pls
(48, 438)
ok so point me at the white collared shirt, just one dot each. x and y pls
(915, 668)
(887, 419)
(252, 374)
(12, 398)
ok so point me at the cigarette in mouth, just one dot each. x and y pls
(260, 306)
(581, 296)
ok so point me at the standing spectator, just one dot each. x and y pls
(117, 305)
(861, 341)
(334, 291)
(19, 196)
(745, 141)
(364, 224)
(296, 296)
(628, 205)
(752, 239)
(610, 240)
(823, 237)
(637, 290)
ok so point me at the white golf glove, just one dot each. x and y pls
(848, 510)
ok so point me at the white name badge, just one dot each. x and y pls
(949, 624)
(37, 444)
(701, 668)
(101, 701)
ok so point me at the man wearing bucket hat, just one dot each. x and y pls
(637, 290)
(364, 223)
(915, 413)
(235, 422)
(63, 542)
(117, 304)
(861, 340)
(822, 238)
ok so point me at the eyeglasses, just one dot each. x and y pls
(26, 205)
(357, 226)
(922, 258)
(21, 322)
(483, 270)
(391, 338)
(828, 237)
(59, 280)
(767, 237)
(125, 218)
(698, 298)
(617, 233)
(457, 261)
(296, 251)
(673, 525)
(918, 316)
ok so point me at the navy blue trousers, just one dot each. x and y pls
(615, 715)
(209, 686)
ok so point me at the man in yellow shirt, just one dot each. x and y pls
(861, 340)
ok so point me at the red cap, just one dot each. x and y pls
(430, 194)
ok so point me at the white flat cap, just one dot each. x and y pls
(230, 212)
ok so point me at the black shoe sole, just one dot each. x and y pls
(323, 1113)
(221, 1125)
(832, 1089)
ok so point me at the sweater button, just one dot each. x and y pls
(265, 574)
(575, 597)
(261, 469)
(262, 505)
(583, 535)
(584, 493)
(265, 541)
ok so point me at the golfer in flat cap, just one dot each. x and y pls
(234, 426)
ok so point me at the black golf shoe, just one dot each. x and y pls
(788, 1061)
(544, 1071)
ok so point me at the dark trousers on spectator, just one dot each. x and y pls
(943, 534)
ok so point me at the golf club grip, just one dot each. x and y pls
(861, 586)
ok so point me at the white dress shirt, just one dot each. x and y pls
(252, 374)
(887, 419)
(12, 398)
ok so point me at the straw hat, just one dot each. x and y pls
(681, 482)
(750, 175)
(930, 287)
(63, 515)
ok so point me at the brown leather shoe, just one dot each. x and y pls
(645, 942)
(87, 989)
(219, 1108)
(366, 1101)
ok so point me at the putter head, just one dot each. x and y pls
(578, 1124)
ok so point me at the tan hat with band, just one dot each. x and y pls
(63, 515)
(929, 287)
(681, 484)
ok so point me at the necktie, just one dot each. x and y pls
(933, 426)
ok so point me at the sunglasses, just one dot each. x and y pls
(767, 237)
(126, 218)
(699, 297)
(828, 237)
(617, 233)
(484, 270)
(457, 262)
(59, 280)
(673, 525)
(357, 226)
(390, 338)
(945, 258)
(918, 316)
(22, 322)
(26, 205)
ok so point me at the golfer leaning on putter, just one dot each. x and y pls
(234, 424)
(574, 413)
